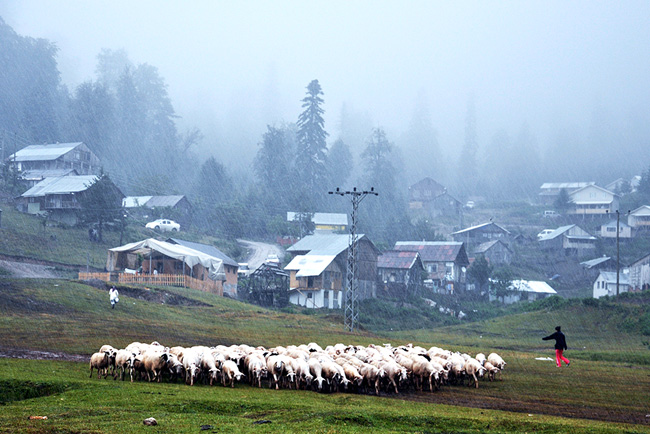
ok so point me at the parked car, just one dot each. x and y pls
(163, 225)
(549, 213)
(544, 233)
(470, 204)
(272, 259)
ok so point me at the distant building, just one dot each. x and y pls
(605, 284)
(639, 219)
(177, 202)
(319, 266)
(602, 263)
(496, 252)
(525, 290)
(324, 221)
(400, 273)
(593, 200)
(56, 156)
(571, 239)
(640, 274)
(58, 197)
(608, 230)
(445, 263)
(429, 199)
(479, 234)
(549, 191)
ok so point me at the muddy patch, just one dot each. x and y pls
(150, 295)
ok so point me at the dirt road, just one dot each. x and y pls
(28, 270)
(258, 252)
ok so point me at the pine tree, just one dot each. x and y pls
(312, 149)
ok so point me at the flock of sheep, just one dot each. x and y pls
(336, 368)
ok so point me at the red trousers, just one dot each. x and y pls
(559, 356)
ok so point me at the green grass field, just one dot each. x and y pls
(606, 389)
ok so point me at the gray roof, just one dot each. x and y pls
(163, 201)
(565, 185)
(593, 262)
(610, 277)
(46, 173)
(324, 244)
(480, 226)
(612, 224)
(484, 247)
(43, 152)
(60, 185)
(205, 248)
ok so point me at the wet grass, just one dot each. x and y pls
(76, 318)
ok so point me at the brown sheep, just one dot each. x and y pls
(99, 361)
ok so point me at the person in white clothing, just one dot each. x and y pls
(114, 297)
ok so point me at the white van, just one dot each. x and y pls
(550, 214)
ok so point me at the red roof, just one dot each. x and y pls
(397, 259)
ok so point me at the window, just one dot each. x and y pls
(310, 295)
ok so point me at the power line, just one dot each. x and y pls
(351, 318)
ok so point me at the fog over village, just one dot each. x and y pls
(282, 210)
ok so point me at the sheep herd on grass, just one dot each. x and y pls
(337, 368)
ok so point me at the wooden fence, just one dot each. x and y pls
(179, 280)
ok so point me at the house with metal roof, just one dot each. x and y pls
(605, 283)
(33, 177)
(56, 156)
(475, 235)
(524, 290)
(178, 202)
(608, 230)
(229, 265)
(593, 200)
(639, 218)
(321, 245)
(445, 263)
(602, 263)
(316, 281)
(496, 252)
(571, 239)
(59, 197)
(400, 272)
(549, 191)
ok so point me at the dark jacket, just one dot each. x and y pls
(560, 340)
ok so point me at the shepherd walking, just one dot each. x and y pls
(560, 346)
(114, 297)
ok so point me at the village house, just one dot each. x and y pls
(400, 273)
(639, 219)
(593, 200)
(319, 266)
(605, 284)
(56, 156)
(479, 234)
(156, 206)
(640, 274)
(572, 239)
(230, 266)
(445, 263)
(549, 191)
(524, 290)
(324, 221)
(602, 263)
(59, 197)
(608, 230)
(496, 252)
(428, 199)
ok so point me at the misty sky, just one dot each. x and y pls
(238, 65)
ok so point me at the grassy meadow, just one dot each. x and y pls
(605, 390)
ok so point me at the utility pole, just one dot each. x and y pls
(618, 250)
(351, 318)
